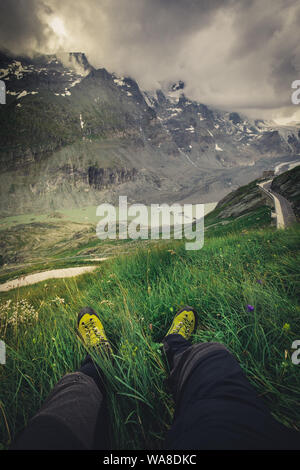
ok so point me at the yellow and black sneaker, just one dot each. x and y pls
(184, 323)
(92, 331)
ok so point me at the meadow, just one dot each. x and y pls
(137, 296)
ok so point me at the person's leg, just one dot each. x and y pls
(68, 418)
(74, 416)
(216, 406)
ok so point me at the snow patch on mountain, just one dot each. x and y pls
(75, 82)
(15, 68)
(81, 121)
(22, 94)
(119, 81)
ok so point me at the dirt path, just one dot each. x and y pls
(43, 276)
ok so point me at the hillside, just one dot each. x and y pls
(137, 296)
(288, 185)
(244, 208)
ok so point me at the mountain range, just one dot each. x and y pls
(72, 136)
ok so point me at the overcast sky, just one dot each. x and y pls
(235, 54)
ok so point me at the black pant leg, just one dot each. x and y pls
(72, 417)
(103, 433)
(216, 406)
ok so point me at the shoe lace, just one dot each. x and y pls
(91, 329)
(186, 324)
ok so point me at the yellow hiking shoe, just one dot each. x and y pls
(184, 323)
(91, 330)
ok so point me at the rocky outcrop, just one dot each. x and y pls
(288, 185)
(83, 179)
(102, 178)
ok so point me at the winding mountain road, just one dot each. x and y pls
(284, 213)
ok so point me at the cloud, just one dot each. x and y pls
(21, 27)
(233, 54)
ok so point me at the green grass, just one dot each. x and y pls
(137, 296)
(260, 217)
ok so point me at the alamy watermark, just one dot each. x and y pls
(158, 221)
(2, 92)
(296, 354)
(296, 94)
(2, 352)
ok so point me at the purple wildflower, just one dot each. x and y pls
(250, 308)
(259, 281)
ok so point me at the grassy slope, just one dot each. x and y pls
(137, 296)
(240, 210)
(43, 245)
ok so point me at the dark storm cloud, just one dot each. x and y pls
(240, 54)
(268, 34)
(24, 26)
(21, 26)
